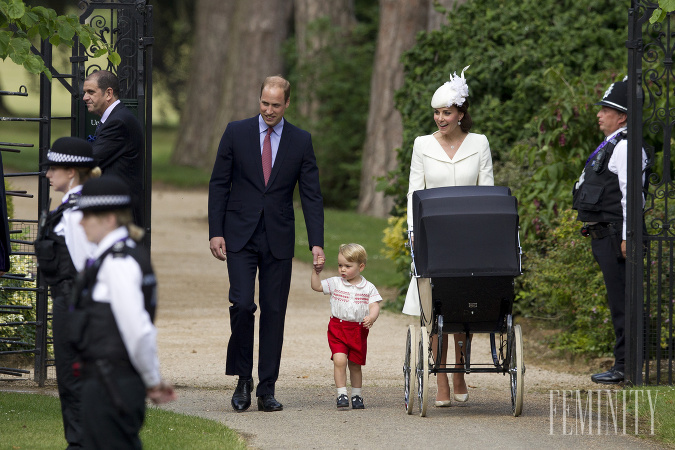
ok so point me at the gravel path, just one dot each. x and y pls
(193, 329)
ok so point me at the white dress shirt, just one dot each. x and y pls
(69, 227)
(350, 302)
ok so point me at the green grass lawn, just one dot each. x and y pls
(659, 400)
(34, 421)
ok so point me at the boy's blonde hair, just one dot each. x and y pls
(354, 253)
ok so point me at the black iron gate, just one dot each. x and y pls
(127, 26)
(650, 285)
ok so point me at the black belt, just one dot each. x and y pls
(92, 367)
(601, 230)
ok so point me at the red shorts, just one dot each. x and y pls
(350, 338)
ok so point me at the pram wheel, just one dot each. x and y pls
(516, 371)
(423, 371)
(408, 368)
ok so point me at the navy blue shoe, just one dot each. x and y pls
(342, 401)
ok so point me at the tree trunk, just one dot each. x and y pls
(238, 44)
(400, 20)
(259, 28)
(205, 84)
(310, 39)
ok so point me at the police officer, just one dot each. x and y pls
(600, 200)
(62, 250)
(114, 308)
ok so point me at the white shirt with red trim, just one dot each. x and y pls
(350, 301)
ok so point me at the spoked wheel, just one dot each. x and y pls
(516, 371)
(408, 368)
(423, 371)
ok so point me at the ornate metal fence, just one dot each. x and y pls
(127, 26)
(651, 235)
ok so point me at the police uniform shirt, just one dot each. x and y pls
(119, 283)
(69, 227)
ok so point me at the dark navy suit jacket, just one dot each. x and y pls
(119, 150)
(238, 195)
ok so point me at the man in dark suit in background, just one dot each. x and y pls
(252, 227)
(118, 146)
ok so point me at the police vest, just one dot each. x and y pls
(598, 199)
(94, 331)
(52, 254)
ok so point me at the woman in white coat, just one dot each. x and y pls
(451, 156)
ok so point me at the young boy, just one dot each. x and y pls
(355, 306)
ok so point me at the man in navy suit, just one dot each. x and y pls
(252, 226)
(119, 146)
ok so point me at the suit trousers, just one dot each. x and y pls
(68, 384)
(274, 279)
(614, 274)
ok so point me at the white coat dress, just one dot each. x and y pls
(431, 167)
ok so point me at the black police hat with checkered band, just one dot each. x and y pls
(107, 193)
(70, 152)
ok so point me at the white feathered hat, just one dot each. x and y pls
(453, 92)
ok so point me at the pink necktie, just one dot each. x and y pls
(267, 156)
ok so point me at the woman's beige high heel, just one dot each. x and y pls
(462, 398)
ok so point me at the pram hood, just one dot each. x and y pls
(466, 231)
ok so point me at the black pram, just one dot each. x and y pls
(466, 253)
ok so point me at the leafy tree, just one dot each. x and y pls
(341, 72)
(537, 68)
(21, 25)
(509, 45)
(174, 30)
(560, 137)
(665, 7)
(559, 288)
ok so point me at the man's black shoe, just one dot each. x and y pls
(241, 399)
(612, 376)
(268, 403)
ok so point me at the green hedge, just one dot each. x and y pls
(537, 68)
